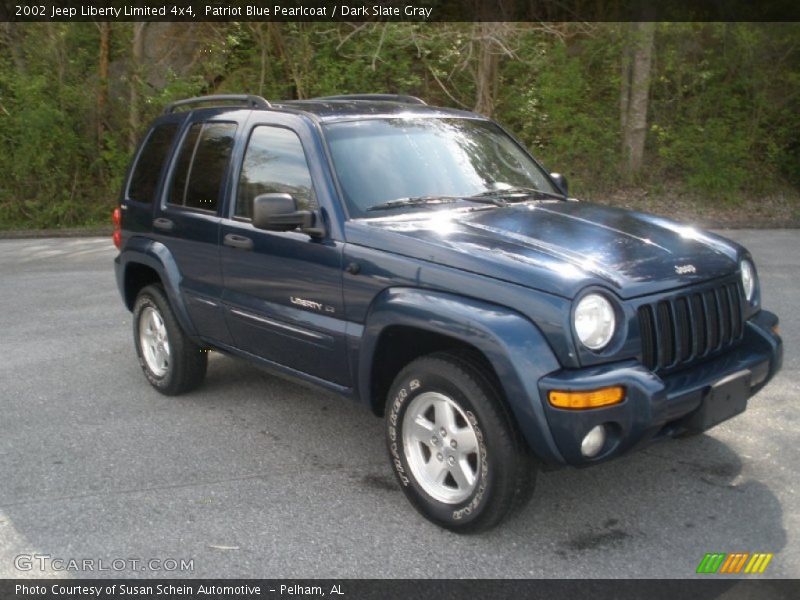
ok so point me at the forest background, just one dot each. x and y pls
(699, 121)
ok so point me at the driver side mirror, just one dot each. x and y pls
(279, 212)
(561, 182)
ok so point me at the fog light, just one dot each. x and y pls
(594, 441)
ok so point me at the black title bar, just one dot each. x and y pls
(399, 10)
(384, 589)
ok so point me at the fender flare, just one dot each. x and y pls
(512, 344)
(141, 251)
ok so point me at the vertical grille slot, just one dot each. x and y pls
(647, 329)
(699, 323)
(736, 310)
(683, 323)
(679, 330)
(712, 319)
(666, 335)
(724, 316)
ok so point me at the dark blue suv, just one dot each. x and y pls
(420, 261)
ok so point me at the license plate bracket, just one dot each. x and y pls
(725, 399)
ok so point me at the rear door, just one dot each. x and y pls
(283, 290)
(188, 222)
(144, 179)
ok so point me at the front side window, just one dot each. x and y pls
(201, 165)
(147, 172)
(379, 160)
(274, 163)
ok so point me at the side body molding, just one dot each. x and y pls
(512, 344)
(140, 250)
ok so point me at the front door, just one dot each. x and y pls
(282, 290)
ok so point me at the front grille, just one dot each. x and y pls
(684, 328)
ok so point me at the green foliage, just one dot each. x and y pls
(724, 108)
(566, 109)
(723, 111)
(45, 155)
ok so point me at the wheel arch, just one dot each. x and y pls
(398, 345)
(405, 323)
(144, 262)
(137, 276)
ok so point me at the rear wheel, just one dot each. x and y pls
(455, 449)
(172, 363)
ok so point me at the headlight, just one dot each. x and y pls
(748, 279)
(594, 321)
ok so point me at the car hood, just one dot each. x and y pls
(556, 246)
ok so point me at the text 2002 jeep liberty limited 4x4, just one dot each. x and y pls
(420, 261)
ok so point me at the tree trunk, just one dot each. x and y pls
(486, 75)
(137, 57)
(263, 44)
(635, 92)
(102, 81)
(625, 89)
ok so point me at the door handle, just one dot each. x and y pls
(163, 224)
(238, 241)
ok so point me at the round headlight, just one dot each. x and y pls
(748, 279)
(594, 321)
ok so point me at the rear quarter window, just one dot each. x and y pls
(201, 166)
(147, 171)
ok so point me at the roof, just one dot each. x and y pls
(332, 108)
(341, 110)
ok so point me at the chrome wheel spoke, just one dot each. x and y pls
(154, 327)
(463, 474)
(436, 470)
(466, 440)
(422, 429)
(445, 415)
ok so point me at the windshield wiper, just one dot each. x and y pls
(497, 197)
(428, 200)
(415, 201)
(518, 191)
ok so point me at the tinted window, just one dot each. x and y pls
(378, 160)
(200, 170)
(178, 190)
(274, 162)
(147, 171)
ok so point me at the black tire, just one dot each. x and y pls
(505, 473)
(187, 362)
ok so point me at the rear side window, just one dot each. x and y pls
(201, 166)
(147, 172)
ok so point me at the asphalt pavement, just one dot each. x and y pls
(255, 476)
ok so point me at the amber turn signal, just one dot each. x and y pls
(591, 399)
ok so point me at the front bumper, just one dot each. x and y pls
(656, 407)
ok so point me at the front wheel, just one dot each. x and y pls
(455, 450)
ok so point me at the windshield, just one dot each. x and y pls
(381, 160)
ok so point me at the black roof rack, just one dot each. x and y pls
(404, 99)
(248, 99)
